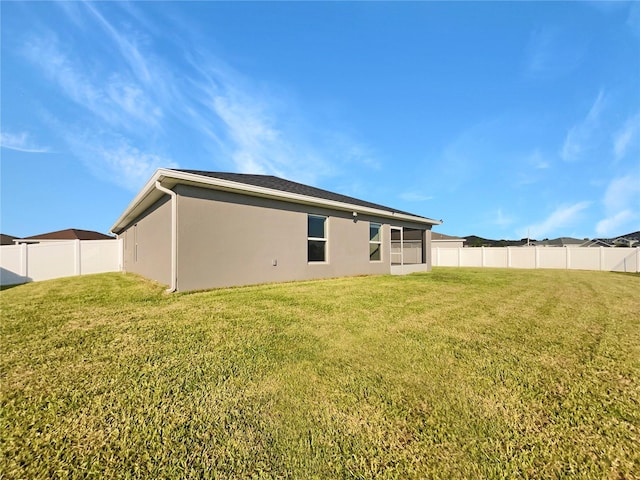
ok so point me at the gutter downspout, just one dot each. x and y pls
(174, 236)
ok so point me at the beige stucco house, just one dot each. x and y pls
(196, 230)
(440, 240)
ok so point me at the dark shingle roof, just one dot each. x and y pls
(6, 239)
(276, 183)
(70, 234)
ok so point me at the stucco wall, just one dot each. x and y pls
(147, 243)
(228, 239)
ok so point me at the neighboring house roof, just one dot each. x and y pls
(626, 242)
(559, 242)
(266, 186)
(629, 240)
(446, 238)
(596, 242)
(68, 234)
(7, 239)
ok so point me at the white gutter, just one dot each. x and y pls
(174, 236)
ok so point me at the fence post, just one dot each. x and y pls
(120, 254)
(537, 257)
(508, 257)
(78, 258)
(567, 258)
(601, 257)
(482, 257)
(459, 256)
(24, 260)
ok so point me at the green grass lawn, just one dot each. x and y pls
(460, 373)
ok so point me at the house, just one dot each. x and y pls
(193, 230)
(596, 242)
(64, 235)
(7, 239)
(559, 242)
(628, 240)
(446, 241)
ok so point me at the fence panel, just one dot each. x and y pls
(46, 260)
(471, 257)
(99, 256)
(552, 258)
(51, 260)
(12, 270)
(523, 258)
(496, 257)
(617, 259)
(621, 259)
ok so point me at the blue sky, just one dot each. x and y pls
(499, 118)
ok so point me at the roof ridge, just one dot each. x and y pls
(302, 189)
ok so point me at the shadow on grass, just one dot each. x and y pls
(628, 274)
(7, 287)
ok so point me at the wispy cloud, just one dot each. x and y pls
(549, 54)
(627, 136)
(579, 138)
(263, 131)
(114, 159)
(246, 126)
(501, 219)
(557, 222)
(533, 167)
(413, 196)
(113, 97)
(622, 206)
(21, 143)
(128, 93)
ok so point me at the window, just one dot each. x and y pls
(375, 242)
(317, 238)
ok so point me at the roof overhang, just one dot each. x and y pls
(170, 178)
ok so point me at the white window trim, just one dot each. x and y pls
(320, 239)
(374, 242)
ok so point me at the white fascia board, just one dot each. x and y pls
(170, 178)
(139, 200)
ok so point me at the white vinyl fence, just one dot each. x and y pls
(616, 259)
(43, 261)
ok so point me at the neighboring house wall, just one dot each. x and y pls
(147, 243)
(448, 243)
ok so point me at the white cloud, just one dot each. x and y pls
(414, 196)
(549, 54)
(612, 226)
(115, 159)
(557, 222)
(137, 61)
(580, 136)
(259, 144)
(265, 132)
(20, 142)
(626, 137)
(502, 220)
(622, 206)
(128, 93)
(623, 192)
(116, 99)
(130, 167)
(538, 161)
(533, 168)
